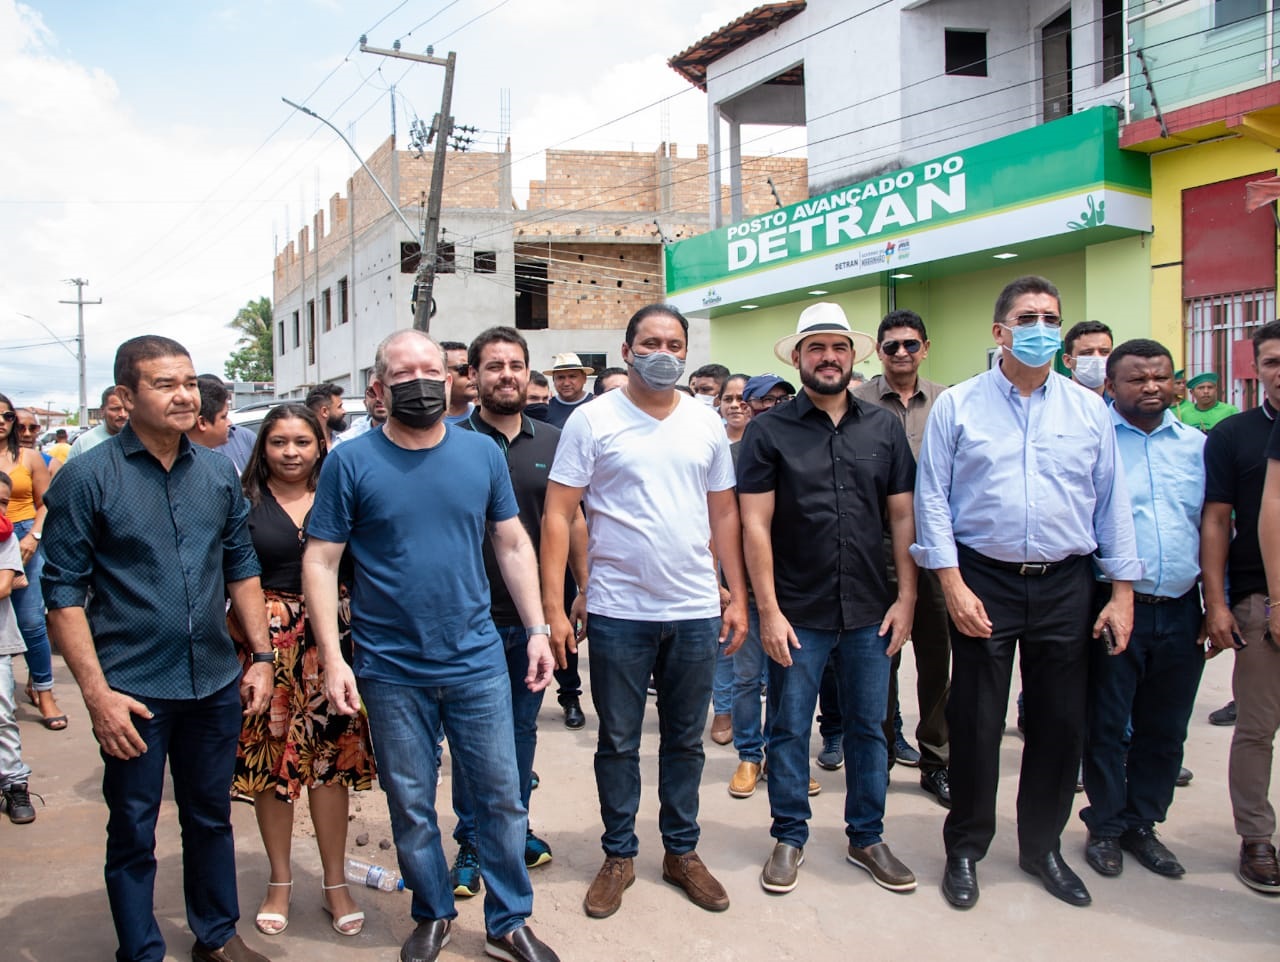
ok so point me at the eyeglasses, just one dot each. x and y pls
(1027, 320)
(9, 417)
(27, 428)
(912, 345)
(462, 370)
(770, 400)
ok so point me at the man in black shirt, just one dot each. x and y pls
(499, 366)
(1235, 589)
(818, 480)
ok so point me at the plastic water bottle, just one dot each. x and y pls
(361, 872)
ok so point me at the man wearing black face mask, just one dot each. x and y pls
(414, 501)
(325, 401)
(655, 468)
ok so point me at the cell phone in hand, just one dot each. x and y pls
(1109, 639)
(1238, 640)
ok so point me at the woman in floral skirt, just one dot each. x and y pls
(299, 742)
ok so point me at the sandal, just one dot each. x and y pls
(55, 723)
(338, 921)
(273, 923)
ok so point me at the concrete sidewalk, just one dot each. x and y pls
(54, 908)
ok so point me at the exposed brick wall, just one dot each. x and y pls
(597, 285)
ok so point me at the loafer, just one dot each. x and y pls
(519, 945)
(573, 716)
(744, 781)
(1226, 715)
(722, 729)
(689, 873)
(887, 871)
(1143, 844)
(783, 868)
(1104, 856)
(604, 896)
(234, 951)
(1057, 878)
(426, 941)
(960, 882)
(938, 784)
(1258, 867)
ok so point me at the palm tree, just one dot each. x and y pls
(252, 360)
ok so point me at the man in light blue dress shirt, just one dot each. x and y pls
(1018, 493)
(1130, 779)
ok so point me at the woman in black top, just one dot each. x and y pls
(299, 741)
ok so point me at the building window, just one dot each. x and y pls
(486, 262)
(1227, 12)
(532, 288)
(343, 307)
(280, 336)
(966, 53)
(326, 308)
(1112, 39)
(297, 330)
(311, 332)
(446, 259)
(597, 361)
(410, 255)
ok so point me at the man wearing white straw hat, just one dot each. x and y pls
(569, 375)
(815, 479)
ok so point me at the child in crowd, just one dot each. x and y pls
(14, 797)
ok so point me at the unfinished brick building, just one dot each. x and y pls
(568, 270)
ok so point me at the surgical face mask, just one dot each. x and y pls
(660, 370)
(1035, 344)
(418, 403)
(1091, 370)
(706, 399)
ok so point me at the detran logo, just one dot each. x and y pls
(889, 248)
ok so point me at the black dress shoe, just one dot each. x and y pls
(1059, 881)
(427, 940)
(1143, 845)
(520, 945)
(1104, 856)
(573, 717)
(938, 784)
(960, 882)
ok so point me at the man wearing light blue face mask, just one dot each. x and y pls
(1018, 496)
(1085, 350)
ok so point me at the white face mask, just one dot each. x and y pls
(1091, 370)
(706, 399)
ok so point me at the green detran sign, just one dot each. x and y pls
(1048, 180)
(846, 216)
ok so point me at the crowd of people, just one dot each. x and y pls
(329, 603)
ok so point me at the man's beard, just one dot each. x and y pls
(490, 401)
(337, 422)
(810, 380)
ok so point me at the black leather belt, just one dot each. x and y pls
(1027, 569)
(1154, 599)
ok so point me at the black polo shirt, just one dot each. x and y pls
(529, 458)
(830, 484)
(1235, 467)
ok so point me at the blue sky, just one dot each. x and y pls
(155, 158)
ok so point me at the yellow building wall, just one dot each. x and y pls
(1172, 172)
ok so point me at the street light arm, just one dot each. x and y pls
(394, 206)
(54, 336)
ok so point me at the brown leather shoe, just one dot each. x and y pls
(888, 872)
(743, 783)
(687, 872)
(1258, 867)
(814, 786)
(234, 951)
(722, 729)
(604, 897)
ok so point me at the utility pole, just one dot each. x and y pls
(80, 302)
(442, 130)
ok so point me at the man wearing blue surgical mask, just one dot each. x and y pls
(1019, 492)
(1085, 350)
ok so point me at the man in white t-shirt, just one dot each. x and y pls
(652, 468)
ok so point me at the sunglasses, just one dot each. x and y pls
(912, 345)
(462, 370)
(27, 428)
(8, 417)
(1027, 320)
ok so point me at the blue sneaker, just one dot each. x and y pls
(904, 753)
(536, 851)
(832, 755)
(465, 874)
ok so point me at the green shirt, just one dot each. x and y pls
(1192, 416)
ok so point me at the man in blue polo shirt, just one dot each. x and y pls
(414, 501)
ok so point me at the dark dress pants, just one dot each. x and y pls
(1049, 618)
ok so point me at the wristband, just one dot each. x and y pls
(531, 630)
(265, 656)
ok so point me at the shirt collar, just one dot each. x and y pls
(132, 444)
(479, 424)
(1007, 388)
(804, 405)
(1167, 422)
(883, 389)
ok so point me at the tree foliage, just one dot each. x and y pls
(251, 361)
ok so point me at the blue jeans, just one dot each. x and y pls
(28, 607)
(862, 673)
(198, 738)
(525, 706)
(750, 669)
(722, 684)
(405, 721)
(681, 656)
(1130, 778)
